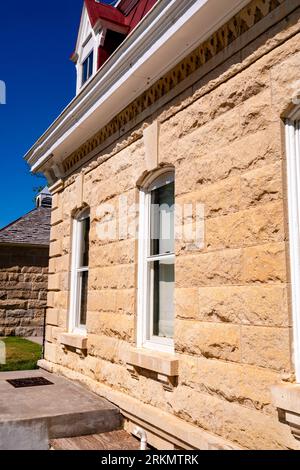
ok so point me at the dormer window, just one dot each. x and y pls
(87, 68)
(103, 28)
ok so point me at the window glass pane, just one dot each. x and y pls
(83, 295)
(162, 220)
(84, 251)
(91, 60)
(84, 71)
(162, 279)
(87, 67)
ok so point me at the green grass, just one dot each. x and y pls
(21, 354)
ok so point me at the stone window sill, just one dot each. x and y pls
(77, 342)
(161, 365)
(286, 398)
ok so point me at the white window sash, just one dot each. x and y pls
(293, 175)
(145, 299)
(75, 290)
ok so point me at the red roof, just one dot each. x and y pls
(135, 10)
(128, 13)
(100, 11)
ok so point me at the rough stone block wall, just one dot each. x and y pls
(225, 139)
(23, 290)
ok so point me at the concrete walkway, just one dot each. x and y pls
(30, 417)
(36, 339)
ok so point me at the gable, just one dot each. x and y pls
(85, 32)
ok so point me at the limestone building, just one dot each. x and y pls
(24, 255)
(175, 253)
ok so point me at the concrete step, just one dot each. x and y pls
(31, 417)
(116, 440)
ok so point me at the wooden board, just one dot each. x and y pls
(116, 440)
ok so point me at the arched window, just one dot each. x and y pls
(80, 272)
(156, 264)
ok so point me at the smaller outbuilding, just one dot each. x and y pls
(24, 254)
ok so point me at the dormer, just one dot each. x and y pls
(102, 29)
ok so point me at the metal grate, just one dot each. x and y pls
(29, 382)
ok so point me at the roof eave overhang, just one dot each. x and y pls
(24, 244)
(167, 34)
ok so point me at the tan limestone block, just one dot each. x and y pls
(55, 201)
(79, 183)
(61, 299)
(253, 305)
(56, 333)
(255, 430)
(102, 300)
(247, 153)
(50, 352)
(251, 227)
(52, 316)
(261, 185)
(257, 113)
(201, 409)
(52, 265)
(55, 248)
(211, 340)
(224, 126)
(126, 301)
(50, 299)
(113, 277)
(218, 199)
(266, 347)
(119, 252)
(265, 263)
(236, 383)
(115, 325)
(186, 303)
(107, 348)
(54, 282)
(48, 334)
(209, 269)
(57, 216)
(285, 80)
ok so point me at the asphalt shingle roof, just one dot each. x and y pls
(31, 229)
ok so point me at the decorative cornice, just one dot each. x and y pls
(216, 43)
(153, 48)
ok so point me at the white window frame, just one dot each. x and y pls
(293, 175)
(144, 320)
(92, 51)
(75, 294)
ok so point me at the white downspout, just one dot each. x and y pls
(142, 435)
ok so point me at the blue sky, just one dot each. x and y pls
(36, 40)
